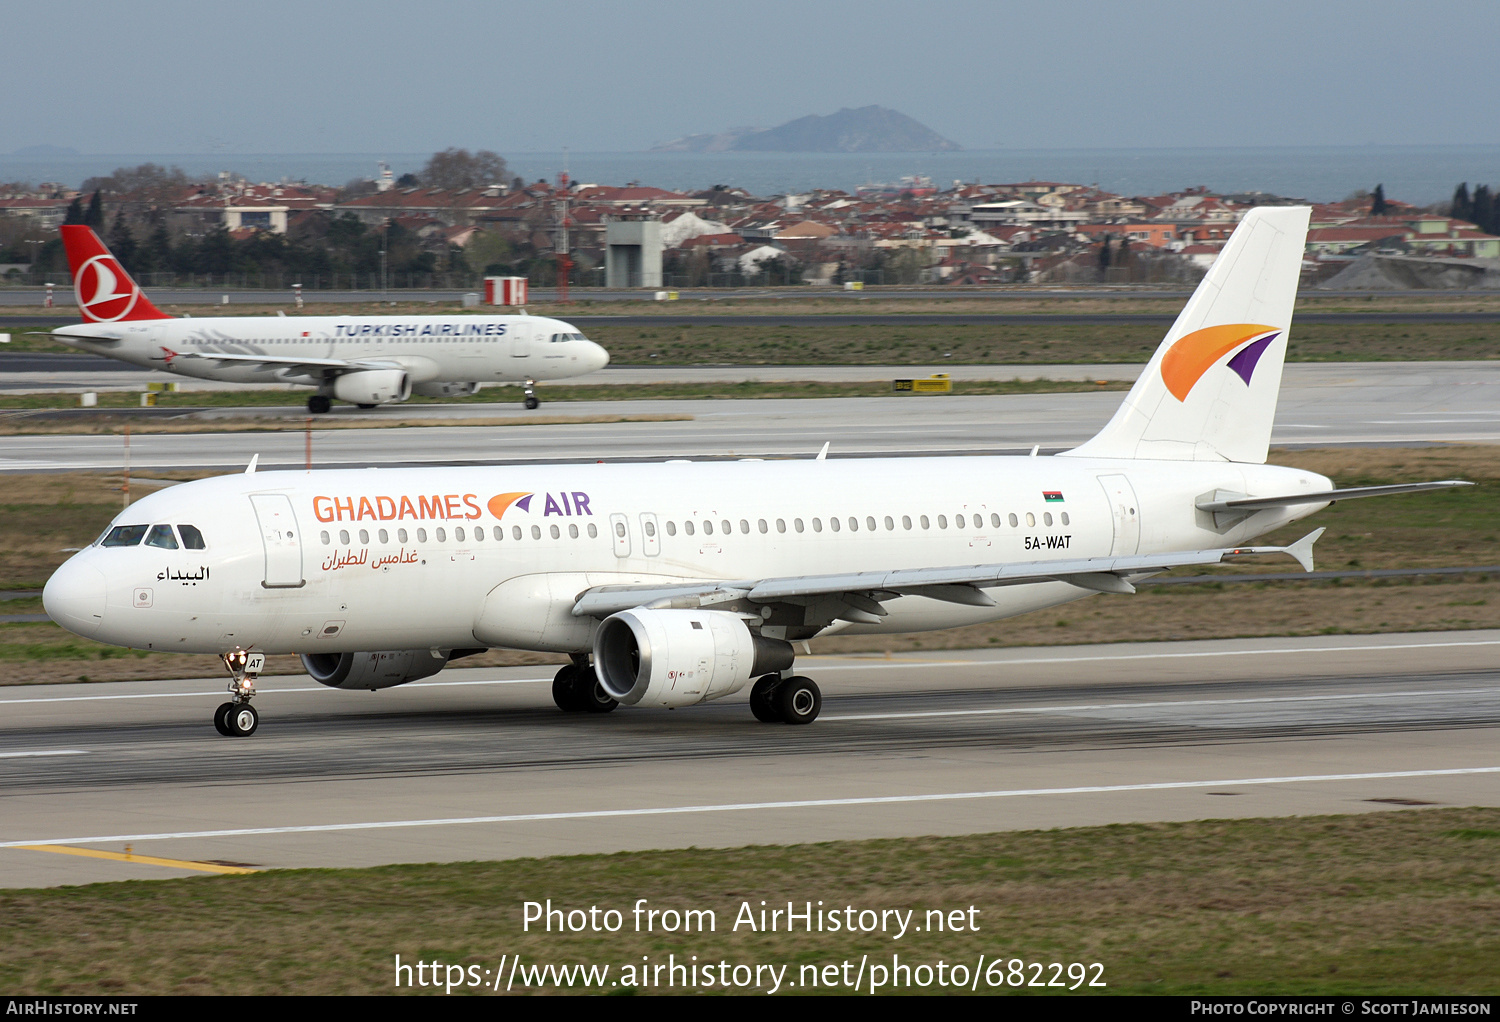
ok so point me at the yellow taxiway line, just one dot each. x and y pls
(127, 856)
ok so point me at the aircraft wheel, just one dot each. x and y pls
(319, 404)
(221, 719)
(562, 689)
(799, 700)
(589, 694)
(763, 699)
(532, 402)
(242, 720)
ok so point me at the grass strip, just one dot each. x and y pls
(1392, 902)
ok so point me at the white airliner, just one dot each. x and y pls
(365, 360)
(675, 583)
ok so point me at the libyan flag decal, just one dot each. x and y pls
(1051, 496)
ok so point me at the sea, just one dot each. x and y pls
(1415, 174)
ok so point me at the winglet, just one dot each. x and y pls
(254, 460)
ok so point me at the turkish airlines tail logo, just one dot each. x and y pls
(104, 291)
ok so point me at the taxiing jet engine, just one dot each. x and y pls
(373, 386)
(385, 669)
(680, 657)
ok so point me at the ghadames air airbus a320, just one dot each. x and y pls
(671, 584)
(365, 360)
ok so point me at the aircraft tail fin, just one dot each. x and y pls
(1209, 393)
(104, 291)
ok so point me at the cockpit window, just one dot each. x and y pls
(125, 535)
(192, 539)
(561, 338)
(161, 536)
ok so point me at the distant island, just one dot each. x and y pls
(870, 129)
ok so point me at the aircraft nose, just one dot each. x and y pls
(598, 358)
(74, 597)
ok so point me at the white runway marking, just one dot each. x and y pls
(819, 803)
(1076, 707)
(44, 752)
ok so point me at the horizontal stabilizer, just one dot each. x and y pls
(1249, 504)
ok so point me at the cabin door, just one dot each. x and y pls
(279, 535)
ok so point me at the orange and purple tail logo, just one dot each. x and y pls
(105, 292)
(1194, 354)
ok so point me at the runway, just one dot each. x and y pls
(478, 764)
(1321, 404)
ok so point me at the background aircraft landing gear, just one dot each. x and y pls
(237, 718)
(319, 404)
(576, 689)
(531, 399)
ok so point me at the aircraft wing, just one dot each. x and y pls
(862, 592)
(311, 366)
(90, 332)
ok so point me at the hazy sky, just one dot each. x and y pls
(167, 76)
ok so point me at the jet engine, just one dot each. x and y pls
(681, 657)
(385, 669)
(373, 386)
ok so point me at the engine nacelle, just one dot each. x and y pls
(681, 657)
(384, 669)
(437, 389)
(373, 386)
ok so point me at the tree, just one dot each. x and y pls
(457, 169)
(94, 215)
(408, 181)
(75, 212)
(1377, 201)
(1104, 254)
(156, 254)
(122, 242)
(1461, 209)
(1482, 210)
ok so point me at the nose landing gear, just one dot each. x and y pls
(237, 718)
(531, 398)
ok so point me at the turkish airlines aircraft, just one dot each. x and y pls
(676, 583)
(365, 360)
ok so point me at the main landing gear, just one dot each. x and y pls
(319, 404)
(778, 700)
(576, 689)
(531, 398)
(237, 718)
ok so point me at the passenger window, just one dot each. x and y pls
(1013, 521)
(161, 536)
(515, 531)
(781, 525)
(650, 528)
(994, 521)
(853, 524)
(324, 537)
(761, 525)
(364, 536)
(687, 527)
(1047, 519)
(458, 533)
(906, 522)
(556, 532)
(400, 535)
(925, 523)
(479, 533)
(744, 527)
(1064, 518)
(1030, 520)
(870, 523)
(833, 523)
(671, 528)
(979, 521)
(385, 537)
(708, 528)
(441, 534)
(192, 539)
(536, 532)
(125, 535)
(817, 525)
(728, 529)
(593, 530)
(498, 532)
(890, 526)
(343, 537)
(958, 521)
(421, 535)
(572, 532)
(797, 524)
(942, 521)
(620, 529)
